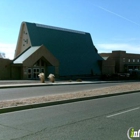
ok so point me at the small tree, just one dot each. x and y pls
(42, 77)
(51, 78)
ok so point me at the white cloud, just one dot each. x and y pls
(8, 49)
(103, 48)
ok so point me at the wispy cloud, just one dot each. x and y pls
(118, 15)
(126, 39)
(8, 49)
(124, 47)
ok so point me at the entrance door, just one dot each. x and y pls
(42, 70)
(36, 72)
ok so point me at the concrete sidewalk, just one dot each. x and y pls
(35, 83)
(17, 85)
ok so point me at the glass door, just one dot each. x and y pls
(36, 72)
(42, 70)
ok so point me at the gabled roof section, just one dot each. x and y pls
(42, 51)
(20, 59)
(105, 56)
(53, 37)
(74, 49)
(60, 41)
(33, 54)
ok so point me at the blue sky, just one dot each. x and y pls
(113, 24)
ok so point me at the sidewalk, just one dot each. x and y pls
(34, 83)
(36, 102)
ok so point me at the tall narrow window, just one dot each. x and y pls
(123, 59)
(128, 60)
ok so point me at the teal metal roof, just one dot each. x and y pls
(74, 49)
(25, 55)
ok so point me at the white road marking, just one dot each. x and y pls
(123, 112)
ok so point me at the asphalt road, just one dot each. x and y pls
(26, 92)
(98, 119)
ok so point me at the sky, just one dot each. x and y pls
(113, 24)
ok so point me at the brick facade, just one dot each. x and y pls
(121, 61)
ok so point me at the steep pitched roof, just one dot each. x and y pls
(38, 52)
(72, 48)
(20, 59)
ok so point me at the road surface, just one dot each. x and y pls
(26, 92)
(99, 119)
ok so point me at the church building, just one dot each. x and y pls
(48, 49)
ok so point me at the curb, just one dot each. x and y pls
(31, 106)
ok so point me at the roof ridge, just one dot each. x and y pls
(59, 28)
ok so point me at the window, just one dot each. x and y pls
(133, 60)
(138, 60)
(123, 59)
(128, 60)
